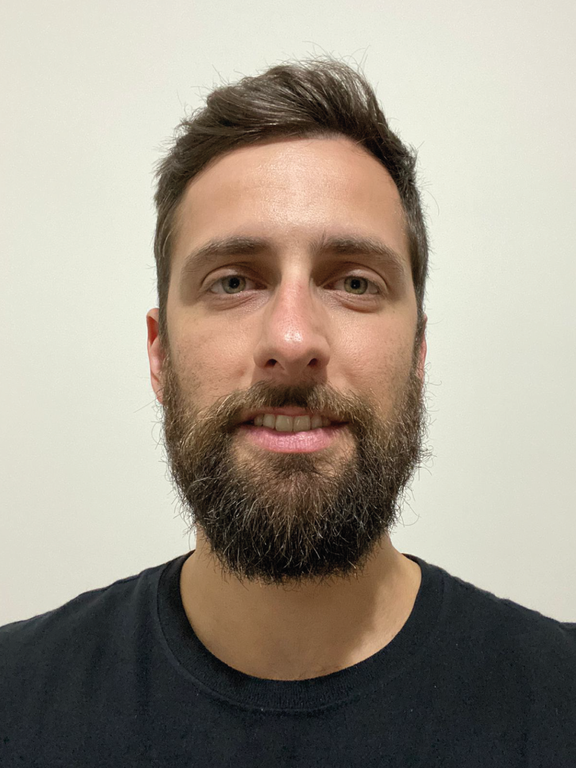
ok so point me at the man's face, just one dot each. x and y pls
(291, 300)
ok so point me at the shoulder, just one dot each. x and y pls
(514, 648)
(77, 628)
(483, 631)
(484, 617)
(488, 612)
(77, 665)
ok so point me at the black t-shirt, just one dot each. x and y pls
(117, 677)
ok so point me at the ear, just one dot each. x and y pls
(156, 353)
(423, 349)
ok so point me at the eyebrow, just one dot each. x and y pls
(368, 247)
(221, 248)
(342, 245)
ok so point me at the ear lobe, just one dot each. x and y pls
(156, 354)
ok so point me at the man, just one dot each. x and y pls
(288, 352)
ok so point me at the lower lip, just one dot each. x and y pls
(291, 442)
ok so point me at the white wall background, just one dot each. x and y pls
(89, 93)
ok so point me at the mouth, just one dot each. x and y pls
(286, 422)
(290, 430)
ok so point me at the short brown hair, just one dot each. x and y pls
(303, 99)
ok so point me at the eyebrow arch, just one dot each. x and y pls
(342, 245)
(368, 247)
(221, 248)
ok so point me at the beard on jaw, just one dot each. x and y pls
(281, 518)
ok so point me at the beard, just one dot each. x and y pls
(290, 518)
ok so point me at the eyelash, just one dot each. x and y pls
(377, 292)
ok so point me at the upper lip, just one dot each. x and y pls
(288, 411)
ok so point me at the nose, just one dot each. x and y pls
(293, 345)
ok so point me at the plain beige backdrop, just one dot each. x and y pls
(89, 93)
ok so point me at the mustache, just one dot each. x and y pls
(228, 411)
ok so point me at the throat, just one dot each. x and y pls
(278, 633)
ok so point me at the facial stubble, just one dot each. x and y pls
(286, 518)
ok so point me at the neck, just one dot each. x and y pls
(294, 633)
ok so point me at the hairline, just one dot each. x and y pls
(172, 218)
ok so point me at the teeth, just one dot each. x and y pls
(282, 423)
(301, 424)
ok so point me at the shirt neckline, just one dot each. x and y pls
(217, 679)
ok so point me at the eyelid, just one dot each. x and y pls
(379, 289)
(219, 280)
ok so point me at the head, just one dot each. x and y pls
(306, 99)
(288, 348)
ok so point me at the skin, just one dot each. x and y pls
(295, 321)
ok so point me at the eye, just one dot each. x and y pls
(230, 284)
(358, 286)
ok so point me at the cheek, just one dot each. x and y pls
(379, 361)
(209, 366)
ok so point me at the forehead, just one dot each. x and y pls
(292, 191)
